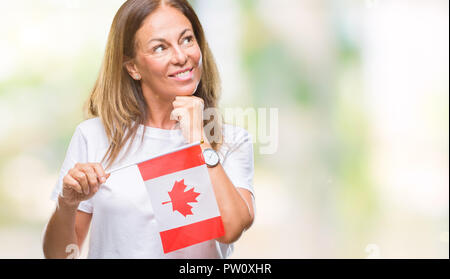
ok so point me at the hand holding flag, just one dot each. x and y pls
(82, 182)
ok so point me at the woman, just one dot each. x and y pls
(157, 77)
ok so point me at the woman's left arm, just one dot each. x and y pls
(236, 205)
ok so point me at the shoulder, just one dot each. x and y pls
(234, 137)
(92, 124)
(91, 127)
(92, 133)
(234, 134)
(236, 154)
(89, 141)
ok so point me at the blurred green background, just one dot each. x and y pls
(362, 91)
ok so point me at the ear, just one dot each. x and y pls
(132, 69)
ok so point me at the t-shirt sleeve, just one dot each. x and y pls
(238, 163)
(76, 153)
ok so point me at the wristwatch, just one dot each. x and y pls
(211, 157)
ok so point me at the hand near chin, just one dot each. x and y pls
(188, 111)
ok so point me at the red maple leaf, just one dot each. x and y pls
(179, 198)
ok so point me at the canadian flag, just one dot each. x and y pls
(182, 198)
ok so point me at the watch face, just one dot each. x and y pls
(211, 157)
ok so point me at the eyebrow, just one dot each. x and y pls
(163, 40)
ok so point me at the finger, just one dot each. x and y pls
(175, 114)
(199, 103)
(177, 104)
(188, 98)
(183, 101)
(183, 98)
(92, 178)
(71, 183)
(100, 172)
(82, 180)
(179, 113)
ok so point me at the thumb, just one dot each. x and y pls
(175, 115)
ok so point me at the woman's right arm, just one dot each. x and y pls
(68, 227)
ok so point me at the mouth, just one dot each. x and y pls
(184, 75)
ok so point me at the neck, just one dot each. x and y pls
(159, 110)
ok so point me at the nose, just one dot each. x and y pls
(178, 56)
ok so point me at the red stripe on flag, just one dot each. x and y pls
(191, 234)
(172, 162)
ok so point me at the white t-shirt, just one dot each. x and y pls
(123, 223)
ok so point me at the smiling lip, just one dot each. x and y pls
(183, 78)
(180, 71)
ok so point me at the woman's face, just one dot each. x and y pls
(168, 57)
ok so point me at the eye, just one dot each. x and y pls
(188, 39)
(159, 49)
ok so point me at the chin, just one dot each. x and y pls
(187, 91)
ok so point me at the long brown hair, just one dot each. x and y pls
(117, 99)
